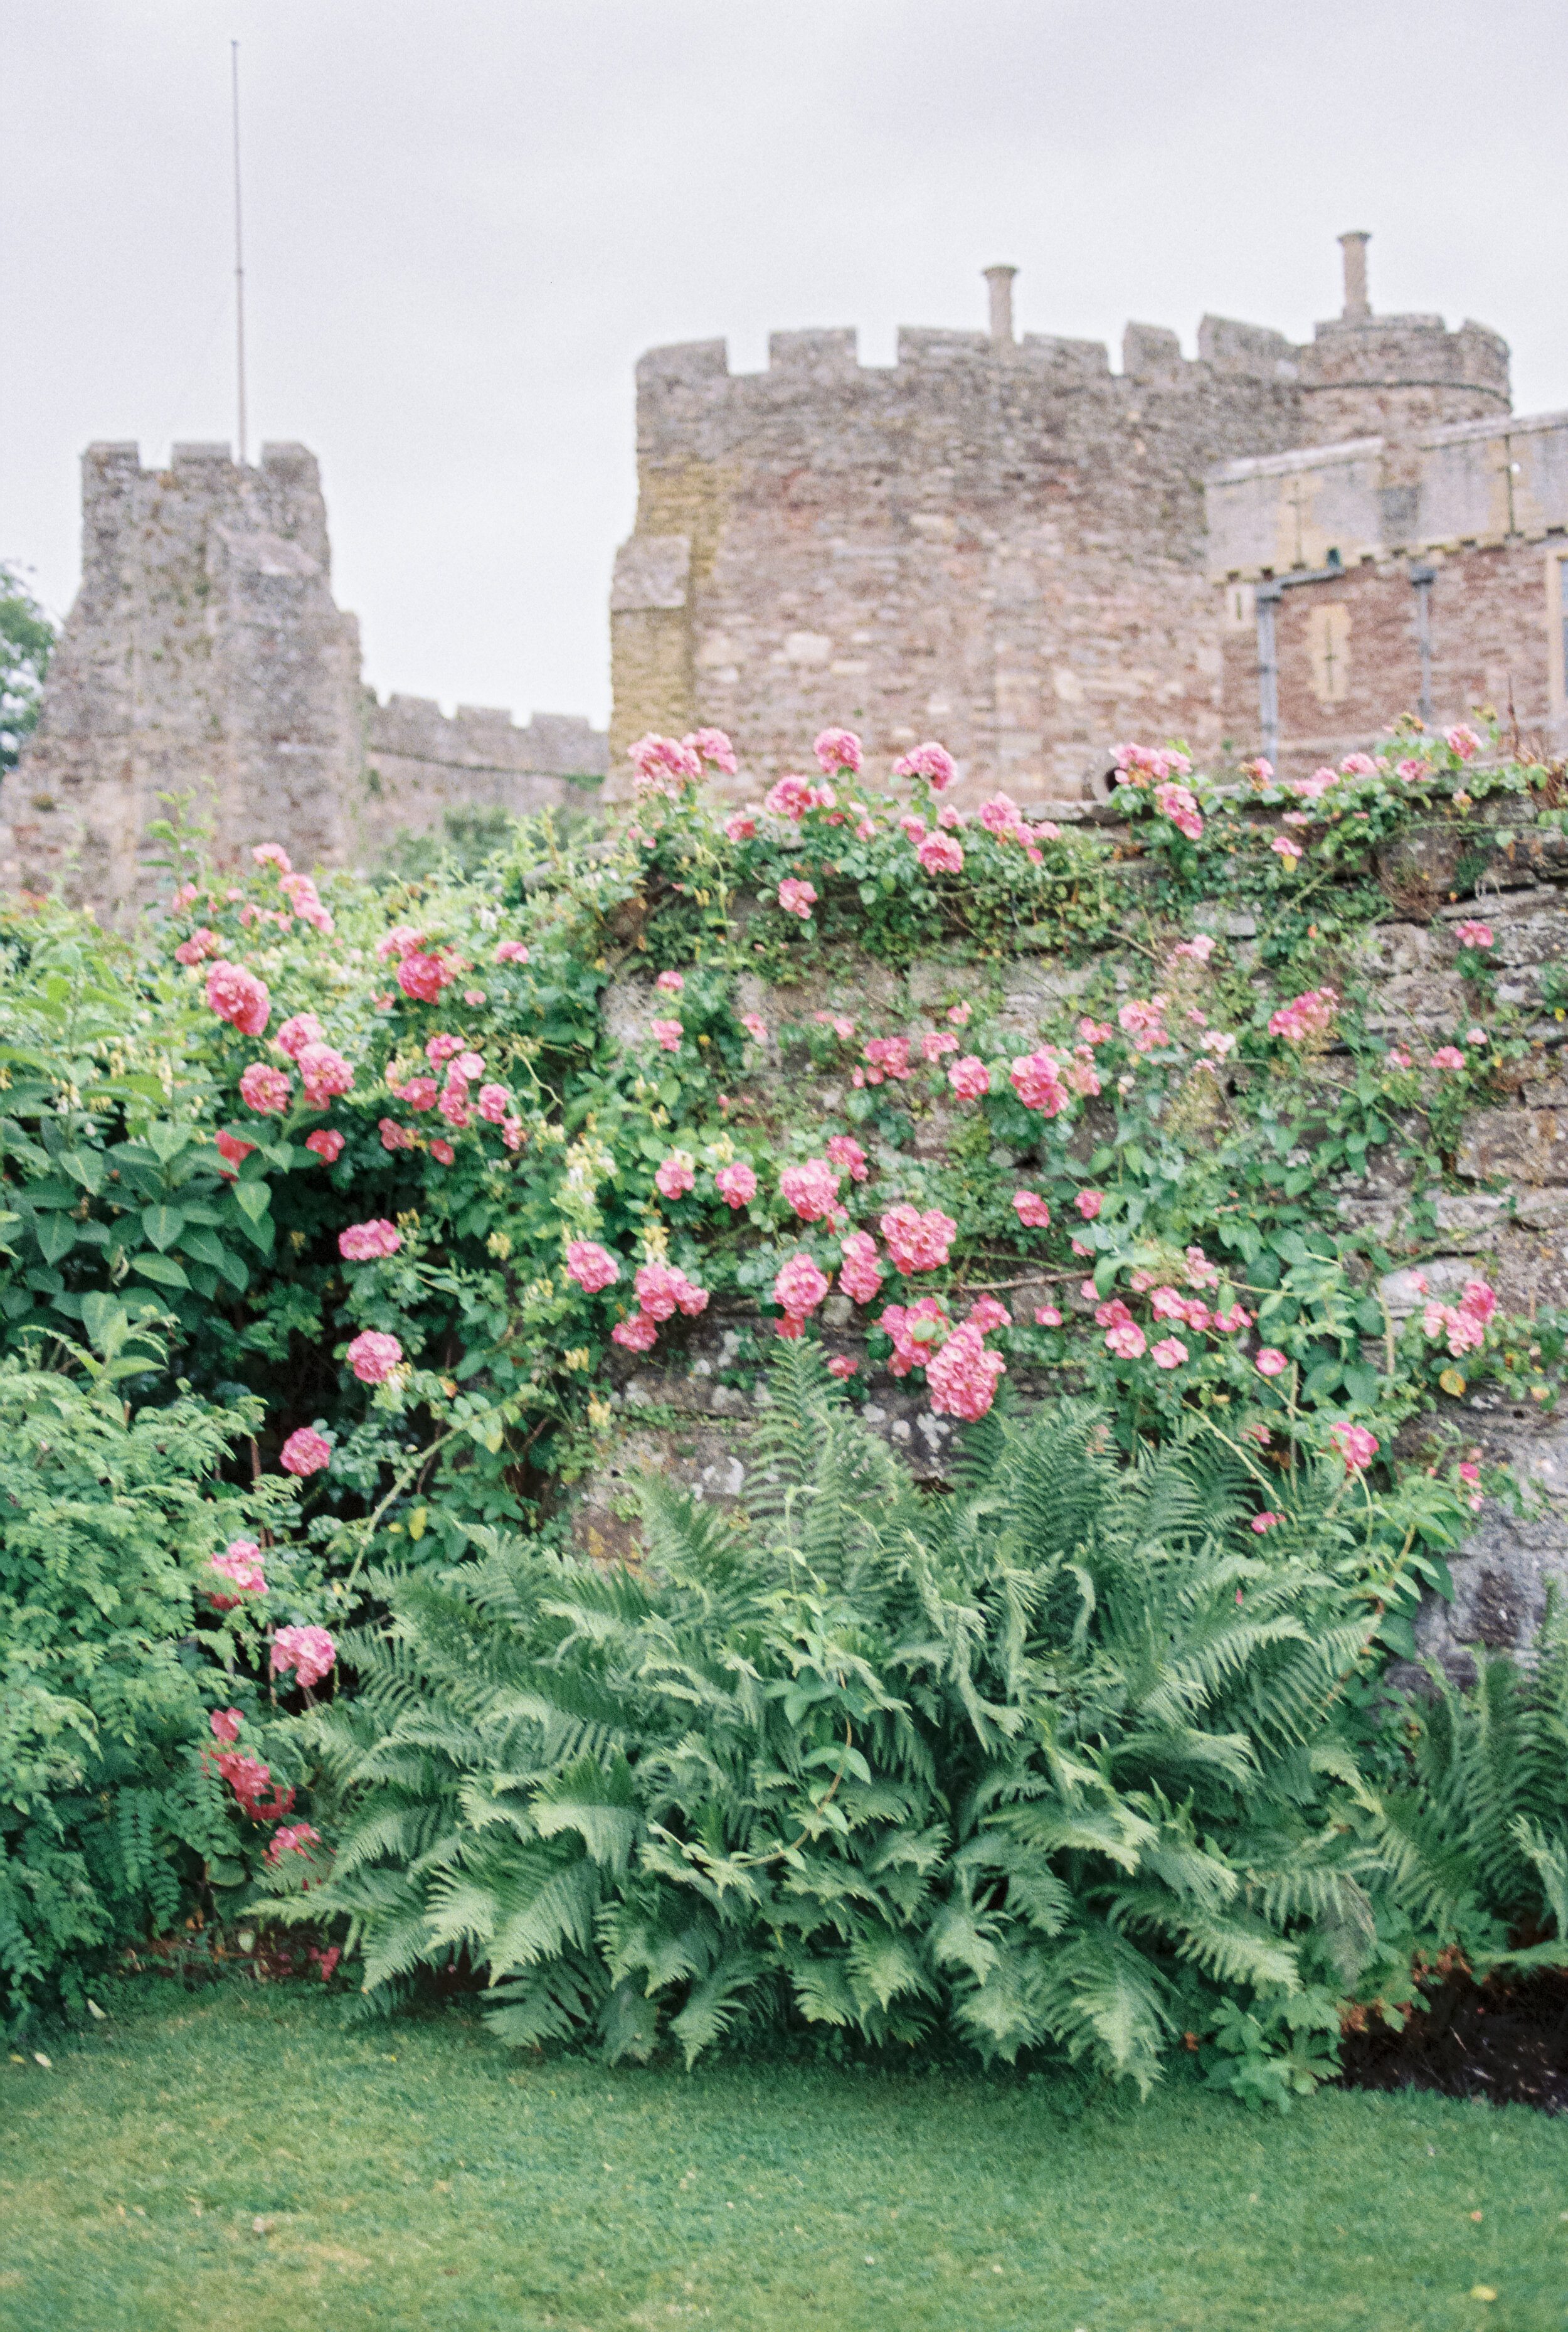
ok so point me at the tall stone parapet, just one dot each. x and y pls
(421, 765)
(205, 657)
(1368, 376)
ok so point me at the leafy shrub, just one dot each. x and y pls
(1047, 1763)
(111, 1652)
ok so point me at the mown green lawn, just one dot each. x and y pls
(237, 2157)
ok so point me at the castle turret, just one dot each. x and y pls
(1369, 375)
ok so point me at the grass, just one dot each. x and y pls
(237, 2156)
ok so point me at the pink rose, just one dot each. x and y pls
(1307, 1017)
(1089, 1203)
(667, 1035)
(394, 1136)
(837, 749)
(842, 1366)
(265, 1089)
(1266, 1521)
(714, 746)
(756, 1026)
(931, 761)
(494, 1104)
(304, 1452)
(442, 1152)
(677, 1175)
(1462, 741)
(372, 1356)
(310, 1651)
(237, 996)
(661, 1290)
(1448, 1057)
(917, 1242)
(796, 898)
(510, 952)
(367, 1242)
(812, 1189)
(326, 1074)
(1037, 1080)
(326, 1144)
(1169, 1352)
(959, 1015)
(272, 854)
(591, 1266)
(201, 944)
(671, 982)
(861, 1273)
(419, 1093)
(792, 798)
(1126, 1340)
(800, 1286)
(1355, 1444)
(963, 1375)
(939, 853)
(1271, 1363)
(241, 1561)
(741, 825)
(987, 1314)
(847, 1154)
(225, 1724)
(638, 1335)
(970, 1078)
(1047, 1315)
(1031, 1211)
(736, 1184)
(303, 1029)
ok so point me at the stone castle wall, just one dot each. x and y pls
(998, 542)
(205, 656)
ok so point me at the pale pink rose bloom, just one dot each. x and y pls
(1126, 1340)
(1078, 1247)
(842, 1366)
(1287, 851)
(735, 1184)
(443, 1047)
(938, 1041)
(372, 1356)
(1169, 1352)
(912, 827)
(1355, 1444)
(950, 818)
(1198, 950)
(931, 761)
(265, 1089)
(1166, 1304)
(1308, 1015)
(637, 1334)
(959, 1015)
(1271, 1363)
(713, 745)
(791, 797)
(186, 892)
(1037, 1079)
(961, 1376)
(663, 1290)
(671, 982)
(310, 1651)
(1089, 1203)
(402, 940)
(741, 825)
(1144, 1020)
(494, 1104)
(970, 1078)
(326, 1144)
(677, 1175)
(1399, 1057)
(889, 1056)
(272, 854)
(846, 1153)
(293, 1838)
(1358, 764)
(419, 1093)
(667, 1035)
(1266, 1521)
(475, 996)
(304, 1452)
(1471, 934)
(1412, 770)
(201, 944)
(812, 1189)
(225, 1724)
(367, 1242)
(1462, 741)
(422, 977)
(1181, 807)
(591, 1266)
(940, 854)
(796, 898)
(837, 749)
(1047, 1315)
(1000, 814)
(1448, 1057)
(303, 1028)
(1032, 1209)
(660, 765)
(241, 1561)
(238, 996)
(510, 952)
(915, 1332)
(453, 1107)
(326, 1074)
(512, 1133)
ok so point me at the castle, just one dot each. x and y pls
(1000, 543)
(206, 657)
(996, 541)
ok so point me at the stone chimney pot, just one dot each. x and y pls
(1357, 307)
(999, 281)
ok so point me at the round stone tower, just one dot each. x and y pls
(1366, 375)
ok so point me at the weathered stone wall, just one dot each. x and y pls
(992, 541)
(690, 1410)
(205, 655)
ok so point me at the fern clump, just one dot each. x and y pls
(1036, 1762)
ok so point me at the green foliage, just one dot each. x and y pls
(27, 642)
(109, 1657)
(1025, 1763)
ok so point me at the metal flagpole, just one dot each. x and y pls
(239, 253)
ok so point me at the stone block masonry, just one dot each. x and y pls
(994, 541)
(205, 656)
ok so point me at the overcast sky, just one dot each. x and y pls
(466, 218)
